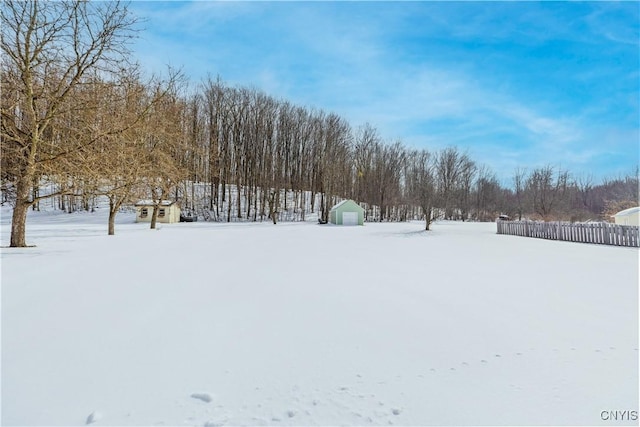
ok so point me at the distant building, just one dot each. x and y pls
(347, 212)
(169, 211)
(629, 216)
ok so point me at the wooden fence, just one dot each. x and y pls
(600, 233)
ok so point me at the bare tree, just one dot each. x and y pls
(366, 141)
(48, 50)
(519, 184)
(466, 177)
(487, 193)
(548, 187)
(421, 184)
(387, 169)
(117, 162)
(165, 141)
(449, 168)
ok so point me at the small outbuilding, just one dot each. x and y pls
(169, 211)
(629, 216)
(347, 212)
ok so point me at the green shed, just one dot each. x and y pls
(347, 212)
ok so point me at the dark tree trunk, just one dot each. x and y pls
(19, 217)
(112, 218)
(273, 206)
(229, 204)
(112, 223)
(18, 225)
(154, 216)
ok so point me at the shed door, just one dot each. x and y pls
(349, 218)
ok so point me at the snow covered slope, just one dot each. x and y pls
(300, 324)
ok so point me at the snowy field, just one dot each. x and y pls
(206, 324)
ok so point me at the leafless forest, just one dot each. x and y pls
(79, 120)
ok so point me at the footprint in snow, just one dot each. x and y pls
(291, 413)
(93, 417)
(396, 411)
(205, 397)
(483, 361)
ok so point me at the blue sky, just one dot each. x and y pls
(519, 84)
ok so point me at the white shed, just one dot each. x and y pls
(629, 216)
(169, 211)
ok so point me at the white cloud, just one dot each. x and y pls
(327, 57)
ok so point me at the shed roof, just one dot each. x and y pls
(347, 201)
(153, 203)
(629, 211)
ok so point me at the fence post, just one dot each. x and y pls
(559, 237)
(625, 236)
(581, 228)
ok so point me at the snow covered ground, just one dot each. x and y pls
(203, 324)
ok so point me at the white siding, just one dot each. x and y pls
(628, 217)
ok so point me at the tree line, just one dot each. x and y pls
(79, 121)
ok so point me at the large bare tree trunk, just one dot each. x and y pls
(19, 217)
(113, 209)
(112, 223)
(154, 216)
(18, 229)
